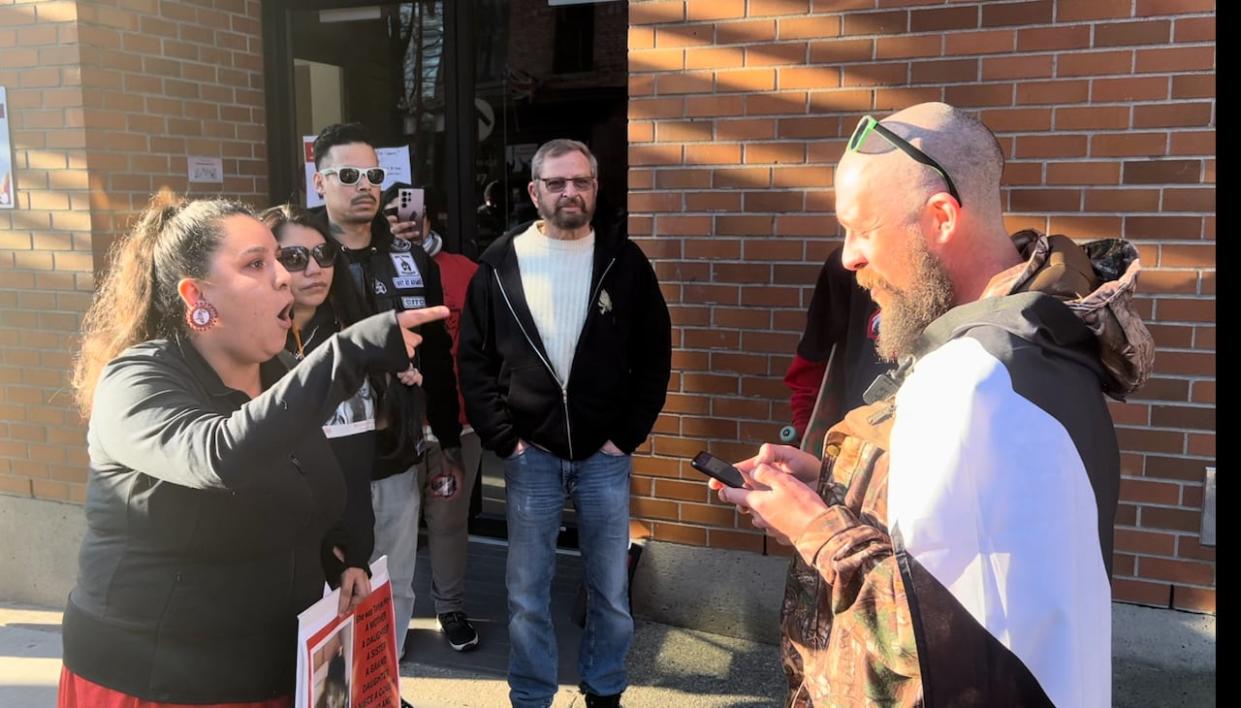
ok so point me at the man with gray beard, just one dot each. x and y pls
(565, 357)
(954, 544)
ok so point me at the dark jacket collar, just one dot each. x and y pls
(270, 371)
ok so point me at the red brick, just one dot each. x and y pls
(1145, 542)
(656, 12)
(712, 201)
(875, 23)
(945, 71)
(1169, 60)
(676, 533)
(1149, 492)
(971, 95)
(686, 82)
(1174, 519)
(1186, 256)
(809, 27)
(1075, 11)
(941, 19)
(742, 177)
(817, 127)
(1204, 338)
(720, 516)
(1162, 171)
(1143, 593)
(742, 408)
(657, 108)
(1094, 63)
(1093, 118)
(1146, 8)
(684, 36)
(641, 37)
(1193, 599)
(1180, 571)
(774, 104)
(773, 201)
(743, 225)
(835, 51)
(1202, 200)
(905, 47)
(1170, 282)
(699, 10)
(842, 100)
(873, 74)
(1145, 88)
(715, 106)
(1177, 115)
(1163, 227)
(1143, 440)
(1193, 86)
(1040, 39)
(1045, 200)
(711, 58)
(1188, 546)
(745, 32)
(1023, 173)
(1051, 146)
(775, 54)
(767, 8)
(1050, 92)
(1204, 392)
(1194, 29)
(790, 177)
(1022, 13)
(1178, 468)
(1183, 417)
(1121, 34)
(654, 154)
(1020, 67)
(1086, 173)
(1201, 445)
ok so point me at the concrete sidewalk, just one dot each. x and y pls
(668, 666)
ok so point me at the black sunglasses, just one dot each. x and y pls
(869, 125)
(296, 258)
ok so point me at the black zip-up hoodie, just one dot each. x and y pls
(619, 377)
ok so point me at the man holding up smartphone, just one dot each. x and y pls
(447, 498)
(955, 544)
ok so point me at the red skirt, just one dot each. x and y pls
(77, 692)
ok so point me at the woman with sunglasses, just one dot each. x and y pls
(211, 490)
(324, 304)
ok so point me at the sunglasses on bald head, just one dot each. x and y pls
(868, 126)
(296, 258)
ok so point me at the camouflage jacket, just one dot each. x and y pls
(852, 633)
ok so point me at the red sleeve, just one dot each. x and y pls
(804, 378)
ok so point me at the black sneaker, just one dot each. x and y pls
(593, 701)
(458, 630)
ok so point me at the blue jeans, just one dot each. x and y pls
(537, 483)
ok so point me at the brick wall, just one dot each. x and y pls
(740, 109)
(45, 251)
(107, 99)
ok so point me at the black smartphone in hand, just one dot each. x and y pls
(713, 466)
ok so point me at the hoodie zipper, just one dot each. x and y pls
(564, 385)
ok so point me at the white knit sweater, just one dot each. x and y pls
(555, 276)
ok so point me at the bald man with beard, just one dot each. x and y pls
(954, 544)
